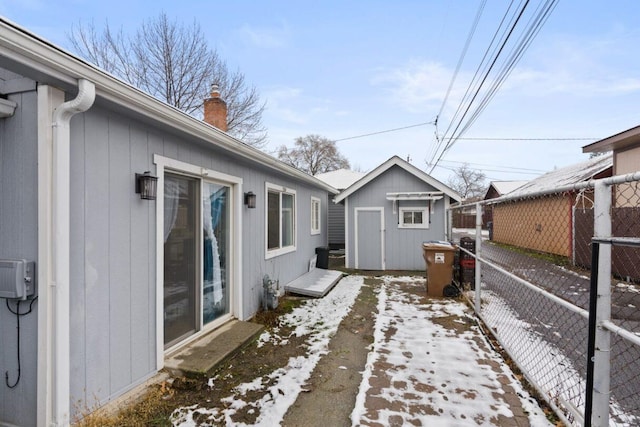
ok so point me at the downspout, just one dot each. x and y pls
(61, 400)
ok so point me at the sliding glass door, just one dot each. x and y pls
(181, 235)
(197, 250)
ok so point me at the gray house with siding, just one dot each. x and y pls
(123, 281)
(390, 212)
(339, 179)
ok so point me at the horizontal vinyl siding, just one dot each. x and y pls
(336, 223)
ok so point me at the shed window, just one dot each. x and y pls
(281, 220)
(414, 218)
(315, 215)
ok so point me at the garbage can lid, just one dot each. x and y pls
(437, 244)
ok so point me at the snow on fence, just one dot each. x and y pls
(534, 276)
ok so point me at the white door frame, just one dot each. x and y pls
(382, 230)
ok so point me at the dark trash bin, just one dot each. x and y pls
(467, 267)
(322, 260)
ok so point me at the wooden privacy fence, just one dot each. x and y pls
(625, 222)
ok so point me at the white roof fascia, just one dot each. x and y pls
(27, 49)
(397, 161)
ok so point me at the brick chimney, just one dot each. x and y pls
(215, 109)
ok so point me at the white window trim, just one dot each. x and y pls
(425, 217)
(271, 253)
(315, 201)
(165, 164)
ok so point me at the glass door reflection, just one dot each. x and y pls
(216, 251)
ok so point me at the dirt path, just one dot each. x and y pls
(334, 384)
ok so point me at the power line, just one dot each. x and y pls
(461, 122)
(527, 139)
(453, 169)
(497, 166)
(451, 140)
(384, 131)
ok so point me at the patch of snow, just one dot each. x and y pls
(317, 318)
(627, 287)
(544, 363)
(434, 367)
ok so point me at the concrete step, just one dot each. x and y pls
(205, 354)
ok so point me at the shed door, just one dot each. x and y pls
(369, 238)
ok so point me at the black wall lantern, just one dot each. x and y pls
(250, 200)
(146, 185)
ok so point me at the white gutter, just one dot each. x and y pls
(60, 400)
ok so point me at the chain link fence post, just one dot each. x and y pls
(478, 278)
(601, 361)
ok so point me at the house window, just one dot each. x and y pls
(315, 215)
(281, 220)
(414, 218)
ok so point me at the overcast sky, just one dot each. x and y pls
(346, 68)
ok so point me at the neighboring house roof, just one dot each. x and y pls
(504, 187)
(49, 64)
(341, 178)
(619, 141)
(397, 161)
(563, 177)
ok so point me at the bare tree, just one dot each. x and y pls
(468, 182)
(174, 63)
(313, 154)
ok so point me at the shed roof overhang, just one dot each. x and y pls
(425, 195)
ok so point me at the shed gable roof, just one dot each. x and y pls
(408, 167)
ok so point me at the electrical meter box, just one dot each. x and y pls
(17, 279)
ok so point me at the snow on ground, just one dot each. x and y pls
(544, 363)
(320, 319)
(439, 376)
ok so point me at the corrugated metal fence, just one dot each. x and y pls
(535, 295)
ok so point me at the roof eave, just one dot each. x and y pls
(397, 161)
(618, 141)
(24, 48)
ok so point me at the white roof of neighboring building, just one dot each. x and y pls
(506, 187)
(397, 161)
(573, 174)
(341, 178)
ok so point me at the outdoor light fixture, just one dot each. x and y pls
(146, 185)
(250, 200)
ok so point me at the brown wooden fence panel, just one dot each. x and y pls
(626, 260)
(583, 223)
(625, 223)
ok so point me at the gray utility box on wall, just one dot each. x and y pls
(17, 279)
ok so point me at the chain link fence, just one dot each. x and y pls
(532, 265)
